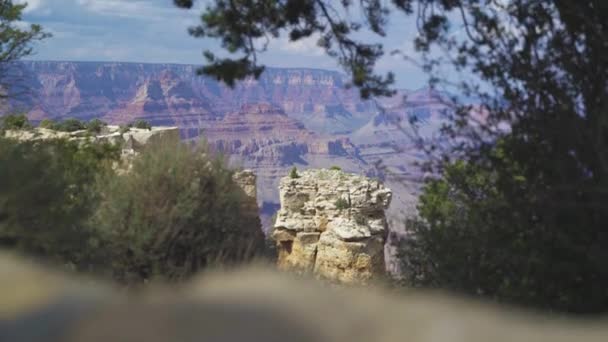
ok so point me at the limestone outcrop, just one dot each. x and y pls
(129, 139)
(332, 224)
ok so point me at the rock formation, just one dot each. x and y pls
(332, 224)
(132, 138)
(348, 131)
(262, 137)
(288, 116)
(246, 180)
(170, 94)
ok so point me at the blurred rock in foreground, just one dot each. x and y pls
(256, 305)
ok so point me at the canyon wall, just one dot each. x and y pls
(302, 117)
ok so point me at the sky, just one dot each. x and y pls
(155, 31)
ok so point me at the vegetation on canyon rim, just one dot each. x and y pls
(174, 212)
(517, 212)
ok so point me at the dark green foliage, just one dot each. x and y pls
(141, 124)
(15, 122)
(175, 212)
(70, 125)
(498, 231)
(342, 204)
(522, 219)
(46, 197)
(238, 24)
(16, 38)
(336, 168)
(294, 173)
(95, 126)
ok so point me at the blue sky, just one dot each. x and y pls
(155, 31)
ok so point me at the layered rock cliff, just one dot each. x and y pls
(332, 224)
(171, 94)
(303, 117)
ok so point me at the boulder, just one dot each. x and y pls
(254, 304)
(332, 224)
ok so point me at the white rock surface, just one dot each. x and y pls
(332, 223)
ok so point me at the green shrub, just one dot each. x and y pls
(142, 124)
(486, 230)
(294, 173)
(70, 125)
(46, 198)
(48, 124)
(95, 126)
(341, 204)
(335, 168)
(15, 122)
(175, 212)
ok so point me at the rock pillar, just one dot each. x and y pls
(332, 224)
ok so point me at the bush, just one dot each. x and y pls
(48, 124)
(15, 122)
(342, 204)
(493, 231)
(46, 198)
(335, 168)
(142, 124)
(294, 173)
(95, 126)
(70, 125)
(175, 212)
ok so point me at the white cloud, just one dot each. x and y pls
(305, 46)
(140, 9)
(155, 31)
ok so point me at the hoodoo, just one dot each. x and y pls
(332, 224)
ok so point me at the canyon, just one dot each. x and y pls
(307, 118)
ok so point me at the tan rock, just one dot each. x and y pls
(303, 253)
(255, 304)
(349, 262)
(246, 179)
(332, 224)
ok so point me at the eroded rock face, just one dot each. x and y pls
(333, 224)
(134, 138)
(246, 180)
(131, 141)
